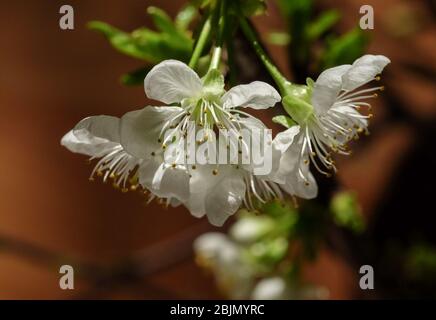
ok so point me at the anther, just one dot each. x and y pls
(214, 172)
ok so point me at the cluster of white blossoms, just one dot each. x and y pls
(237, 276)
(145, 148)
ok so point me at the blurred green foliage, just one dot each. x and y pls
(421, 262)
(313, 44)
(171, 40)
(346, 211)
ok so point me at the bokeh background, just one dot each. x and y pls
(50, 214)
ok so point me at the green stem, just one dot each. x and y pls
(221, 25)
(216, 57)
(201, 42)
(251, 35)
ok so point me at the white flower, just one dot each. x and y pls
(204, 102)
(128, 151)
(218, 253)
(98, 137)
(328, 112)
(135, 148)
(215, 190)
(218, 191)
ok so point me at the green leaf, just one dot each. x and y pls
(325, 22)
(135, 77)
(285, 121)
(162, 20)
(185, 16)
(213, 82)
(145, 44)
(346, 211)
(345, 49)
(120, 40)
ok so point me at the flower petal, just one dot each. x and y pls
(172, 81)
(163, 180)
(286, 146)
(218, 196)
(296, 186)
(225, 199)
(140, 130)
(93, 136)
(256, 95)
(327, 87)
(363, 71)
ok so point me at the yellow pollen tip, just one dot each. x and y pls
(194, 167)
(215, 172)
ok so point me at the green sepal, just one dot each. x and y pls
(285, 121)
(213, 82)
(299, 109)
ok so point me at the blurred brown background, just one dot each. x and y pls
(50, 79)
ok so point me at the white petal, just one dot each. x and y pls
(286, 147)
(140, 129)
(284, 139)
(296, 186)
(256, 95)
(363, 71)
(218, 196)
(273, 288)
(163, 180)
(93, 136)
(225, 199)
(327, 87)
(172, 81)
